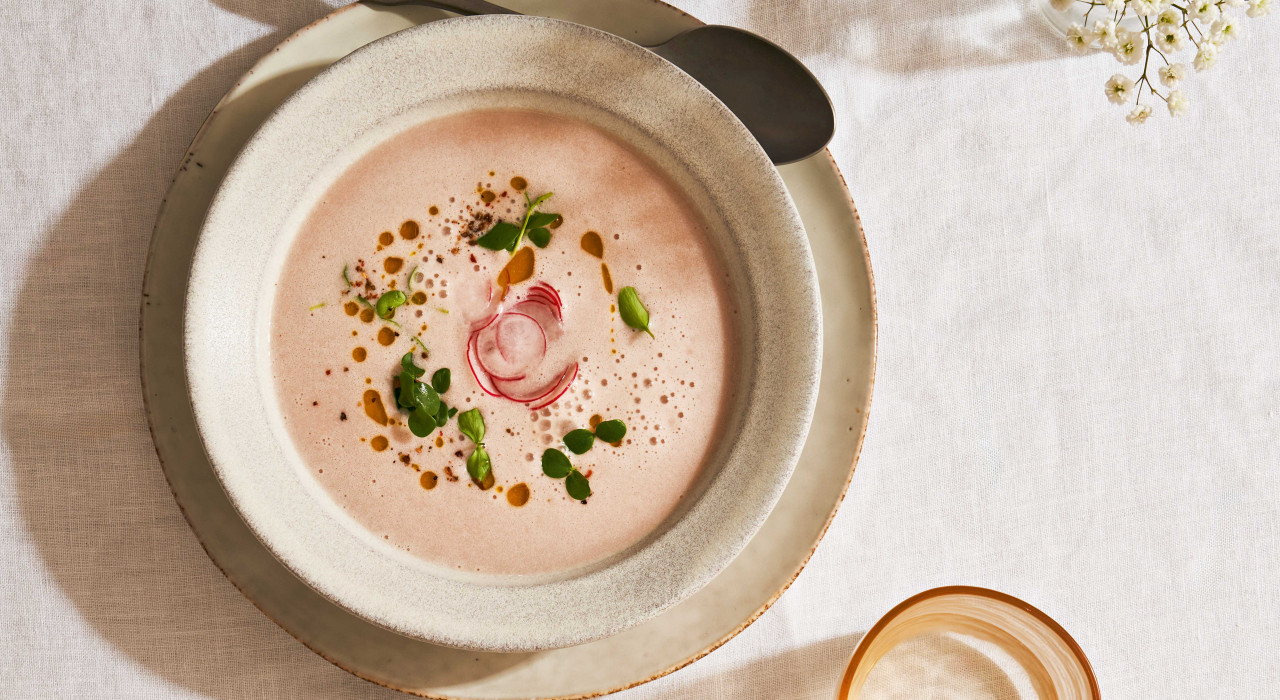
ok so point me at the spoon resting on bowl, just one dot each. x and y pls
(771, 92)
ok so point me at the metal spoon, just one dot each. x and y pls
(774, 95)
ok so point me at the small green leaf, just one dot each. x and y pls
(541, 219)
(406, 364)
(453, 412)
(421, 423)
(579, 441)
(478, 465)
(577, 485)
(442, 414)
(632, 311)
(541, 198)
(404, 397)
(611, 431)
(440, 380)
(471, 424)
(541, 237)
(501, 237)
(344, 276)
(389, 301)
(555, 464)
(409, 285)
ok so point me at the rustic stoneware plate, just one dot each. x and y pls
(456, 66)
(679, 636)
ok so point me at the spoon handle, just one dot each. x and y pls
(462, 7)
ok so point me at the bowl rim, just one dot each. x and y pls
(207, 421)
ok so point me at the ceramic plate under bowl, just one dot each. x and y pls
(459, 65)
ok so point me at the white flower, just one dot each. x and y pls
(1170, 40)
(1146, 8)
(1138, 115)
(1204, 11)
(1177, 103)
(1169, 20)
(1061, 5)
(1206, 56)
(1171, 75)
(1259, 8)
(1114, 6)
(1119, 88)
(1079, 38)
(1225, 30)
(1130, 46)
(1105, 32)
(1235, 3)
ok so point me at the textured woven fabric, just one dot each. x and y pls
(1076, 399)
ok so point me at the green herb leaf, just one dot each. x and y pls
(389, 301)
(555, 464)
(540, 237)
(502, 236)
(632, 311)
(344, 276)
(611, 431)
(541, 219)
(316, 306)
(406, 364)
(453, 412)
(440, 380)
(579, 441)
(478, 465)
(421, 423)
(442, 414)
(533, 204)
(577, 485)
(471, 424)
(404, 397)
(409, 285)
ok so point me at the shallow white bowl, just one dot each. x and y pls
(482, 62)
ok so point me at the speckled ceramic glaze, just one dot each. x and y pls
(442, 68)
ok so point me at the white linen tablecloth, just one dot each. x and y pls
(1079, 361)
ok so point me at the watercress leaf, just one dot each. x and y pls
(541, 198)
(426, 398)
(440, 380)
(632, 311)
(442, 414)
(453, 412)
(540, 219)
(421, 423)
(404, 396)
(478, 465)
(389, 301)
(555, 464)
(471, 424)
(579, 441)
(541, 237)
(500, 237)
(406, 364)
(577, 485)
(611, 431)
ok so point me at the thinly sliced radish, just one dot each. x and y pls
(542, 394)
(508, 348)
(561, 387)
(482, 378)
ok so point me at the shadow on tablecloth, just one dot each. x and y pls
(88, 483)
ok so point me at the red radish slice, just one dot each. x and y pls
(482, 378)
(542, 315)
(542, 395)
(521, 339)
(506, 348)
(566, 381)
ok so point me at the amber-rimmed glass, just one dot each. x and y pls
(1056, 667)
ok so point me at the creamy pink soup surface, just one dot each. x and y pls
(415, 205)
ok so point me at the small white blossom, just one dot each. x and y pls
(1138, 115)
(1225, 30)
(1119, 88)
(1169, 20)
(1259, 8)
(1146, 8)
(1079, 38)
(1204, 11)
(1114, 6)
(1169, 41)
(1130, 46)
(1235, 3)
(1104, 30)
(1177, 103)
(1171, 75)
(1206, 56)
